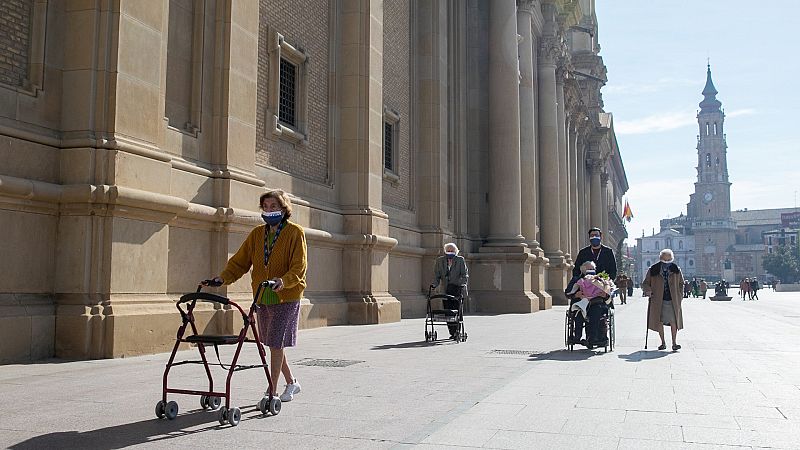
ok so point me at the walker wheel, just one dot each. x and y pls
(427, 336)
(171, 411)
(263, 405)
(213, 402)
(204, 401)
(435, 336)
(160, 409)
(463, 337)
(275, 406)
(234, 416)
(222, 418)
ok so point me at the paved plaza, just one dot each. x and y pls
(734, 384)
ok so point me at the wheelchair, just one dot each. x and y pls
(606, 325)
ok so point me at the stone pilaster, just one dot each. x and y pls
(563, 166)
(528, 150)
(505, 252)
(366, 283)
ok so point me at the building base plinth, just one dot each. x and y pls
(370, 310)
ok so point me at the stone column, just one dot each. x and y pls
(582, 193)
(563, 167)
(501, 280)
(604, 201)
(528, 151)
(574, 224)
(361, 166)
(596, 203)
(549, 186)
(504, 130)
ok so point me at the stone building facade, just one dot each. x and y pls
(136, 137)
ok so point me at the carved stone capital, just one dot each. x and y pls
(551, 49)
(604, 177)
(527, 6)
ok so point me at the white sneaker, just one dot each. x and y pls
(291, 389)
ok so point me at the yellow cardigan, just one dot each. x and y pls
(287, 261)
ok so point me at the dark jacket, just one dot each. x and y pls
(457, 274)
(606, 262)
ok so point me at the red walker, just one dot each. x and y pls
(210, 399)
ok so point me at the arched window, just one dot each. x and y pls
(680, 245)
(657, 247)
(708, 128)
(715, 128)
(717, 160)
(708, 159)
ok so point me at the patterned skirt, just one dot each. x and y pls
(277, 324)
(667, 313)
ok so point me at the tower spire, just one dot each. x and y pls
(710, 102)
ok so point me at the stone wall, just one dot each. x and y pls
(397, 88)
(15, 36)
(305, 24)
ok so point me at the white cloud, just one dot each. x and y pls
(656, 123)
(741, 112)
(647, 88)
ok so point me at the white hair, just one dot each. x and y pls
(588, 265)
(667, 251)
(452, 245)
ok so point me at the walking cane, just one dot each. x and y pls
(647, 324)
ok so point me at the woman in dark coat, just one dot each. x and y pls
(664, 285)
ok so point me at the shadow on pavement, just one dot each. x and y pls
(563, 355)
(417, 344)
(642, 355)
(121, 436)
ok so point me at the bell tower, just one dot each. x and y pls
(710, 205)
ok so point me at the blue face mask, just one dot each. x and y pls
(450, 255)
(272, 218)
(591, 272)
(595, 241)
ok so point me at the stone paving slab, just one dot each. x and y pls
(734, 384)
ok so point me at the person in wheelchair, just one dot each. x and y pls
(451, 271)
(591, 298)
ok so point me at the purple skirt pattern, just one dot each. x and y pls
(277, 324)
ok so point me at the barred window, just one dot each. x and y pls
(388, 146)
(288, 93)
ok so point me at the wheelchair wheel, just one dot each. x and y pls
(611, 330)
(567, 331)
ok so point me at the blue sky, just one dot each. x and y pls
(655, 52)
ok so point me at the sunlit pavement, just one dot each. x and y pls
(734, 384)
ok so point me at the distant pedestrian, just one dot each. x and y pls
(664, 285)
(743, 288)
(754, 289)
(622, 286)
(703, 288)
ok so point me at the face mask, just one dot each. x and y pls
(595, 241)
(450, 255)
(272, 218)
(668, 262)
(591, 272)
